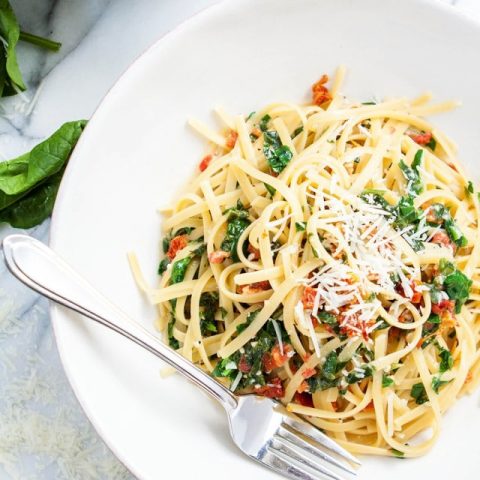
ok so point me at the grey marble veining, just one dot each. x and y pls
(100, 39)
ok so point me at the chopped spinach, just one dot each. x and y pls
(225, 368)
(179, 269)
(297, 131)
(300, 226)
(406, 213)
(386, 381)
(446, 360)
(455, 233)
(270, 189)
(327, 376)
(264, 121)
(469, 190)
(419, 394)
(250, 318)
(412, 174)
(162, 267)
(237, 223)
(278, 156)
(437, 383)
(359, 374)
(457, 285)
(172, 341)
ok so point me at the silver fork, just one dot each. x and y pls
(262, 428)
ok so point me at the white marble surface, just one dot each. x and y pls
(100, 39)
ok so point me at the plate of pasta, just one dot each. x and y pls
(304, 223)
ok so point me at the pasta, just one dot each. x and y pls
(327, 255)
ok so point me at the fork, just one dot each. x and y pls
(261, 427)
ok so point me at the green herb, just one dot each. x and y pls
(249, 116)
(278, 156)
(430, 327)
(183, 231)
(382, 324)
(264, 121)
(437, 383)
(327, 317)
(371, 102)
(406, 212)
(297, 131)
(432, 144)
(397, 453)
(237, 223)
(300, 226)
(446, 360)
(207, 324)
(250, 318)
(469, 190)
(172, 341)
(359, 374)
(162, 267)
(327, 377)
(412, 175)
(225, 368)
(457, 285)
(419, 394)
(29, 183)
(11, 81)
(200, 250)
(455, 233)
(386, 381)
(270, 189)
(179, 269)
(439, 214)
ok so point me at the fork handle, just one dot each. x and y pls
(41, 269)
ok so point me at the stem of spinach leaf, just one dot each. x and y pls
(40, 41)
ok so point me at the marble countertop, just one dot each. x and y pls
(100, 39)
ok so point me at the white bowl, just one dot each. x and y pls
(136, 151)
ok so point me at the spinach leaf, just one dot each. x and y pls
(455, 233)
(250, 318)
(278, 156)
(300, 226)
(34, 208)
(264, 122)
(360, 373)
(296, 132)
(432, 144)
(457, 285)
(375, 197)
(406, 212)
(11, 81)
(172, 341)
(419, 394)
(386, 381)
(437, 383)
(225, 368)
(29, 183)
(237, 223)
(412, 174)
(162, 267)
(270, 189)
(179, 269)
(327, 376)
(469, 190)
(446, 362)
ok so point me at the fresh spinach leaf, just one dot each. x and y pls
(29, 183)
(386, 381)
(278, 156)
(412, 174)
(457, 285)
(437, 383)
(300, 226)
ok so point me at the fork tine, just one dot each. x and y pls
(283, 465)
(280, 445)
(313, 433)
(286, 434)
